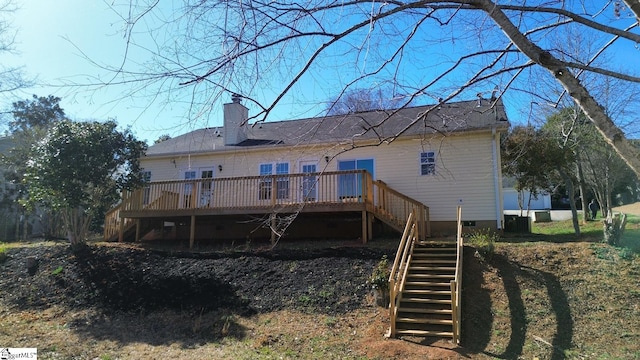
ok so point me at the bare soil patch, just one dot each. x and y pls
(127, 278)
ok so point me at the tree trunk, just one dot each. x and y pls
(25, 227)
(572, 202)
(607, 193)
(596, 113)
(583, 193)
(17, 229)
(521, 201)
(77, 225)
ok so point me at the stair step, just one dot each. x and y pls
(424, 311)
(428, 284)
(424, 333)
(431, 276)
(428, 254)
(444, 248)
(432, 261)
(408, 320)
(425, 301)
(426, 292)
(432, 268)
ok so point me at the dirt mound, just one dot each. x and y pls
(123, 278)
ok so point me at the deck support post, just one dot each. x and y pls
(192, 232)
(370, 227)
(121, 231)
(364, 226)
(138, 229)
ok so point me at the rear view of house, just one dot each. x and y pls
(355, 175)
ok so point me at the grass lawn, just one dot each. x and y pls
(562, 231)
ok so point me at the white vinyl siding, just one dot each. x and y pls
(463, 164)
(463, 175)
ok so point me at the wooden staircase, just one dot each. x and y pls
(115, 225)
(425, 286)
(425, 306)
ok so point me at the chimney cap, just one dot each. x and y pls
(235, 98)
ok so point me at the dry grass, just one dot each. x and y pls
(557, 301)
(62, 334)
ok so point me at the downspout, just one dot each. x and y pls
(496, 180)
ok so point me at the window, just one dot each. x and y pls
(282, 182)
(309, 181)
(428, 163)
(206, 186)
(146, 191)
(188, 187)
(265, 183)
(350, 185)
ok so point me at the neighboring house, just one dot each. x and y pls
(340, 175)
(521, 200)
(9, 216)
(513, 198)
(13, 221)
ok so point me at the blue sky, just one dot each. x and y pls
(56, 38)
(52, 37)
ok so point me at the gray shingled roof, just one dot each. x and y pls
(371, 125)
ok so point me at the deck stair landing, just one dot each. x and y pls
(425, 305)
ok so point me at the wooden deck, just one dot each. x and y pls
(327, 192)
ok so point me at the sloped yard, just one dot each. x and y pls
(548, 299)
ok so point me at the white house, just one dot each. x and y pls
(363, 171)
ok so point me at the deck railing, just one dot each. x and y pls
(339, 188)
(113, 222)
(398, 276)
(456, 284)
(252, 191)
(392, 204)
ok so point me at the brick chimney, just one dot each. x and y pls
(235, 118)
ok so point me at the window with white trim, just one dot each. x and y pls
(428, 163)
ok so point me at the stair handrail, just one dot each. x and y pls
(398, 275)
(112, 220)
(389, 201)
(456, 283)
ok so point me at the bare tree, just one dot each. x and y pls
(359, 100)
(11, 78)
(438, 50)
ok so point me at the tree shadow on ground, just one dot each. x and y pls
(512, 275)
(587, 236)
(560, 306)
(142, 301)
(477, 318)
(202, 294)
(186, 328)
(508, 272)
